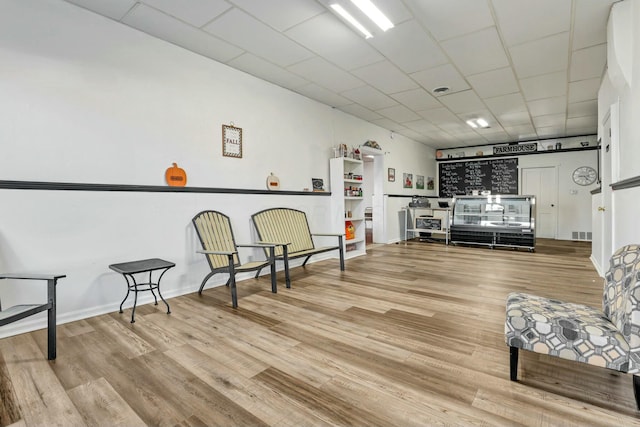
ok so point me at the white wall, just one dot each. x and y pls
(85, 99)
(624, 209)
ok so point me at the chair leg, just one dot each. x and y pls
(51, 320)
(305, 260)
(285, 257)
(232, 283)
(257, 273)
(636, 390)
(272, 260)
(513, 365)
(204, 281)
(341, 253)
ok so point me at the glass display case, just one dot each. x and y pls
(494, 220)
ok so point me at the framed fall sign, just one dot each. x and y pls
(231, 141)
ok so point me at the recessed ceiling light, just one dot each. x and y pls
(374, 14)
(350, 19)
(472, 124)
(440, 90)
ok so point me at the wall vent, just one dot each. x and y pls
(581, 235)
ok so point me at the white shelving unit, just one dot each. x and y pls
(347, 202)
(443, 215)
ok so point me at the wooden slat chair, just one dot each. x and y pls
(21, 311)
(289, 230)
(609, 338)
(219, 246)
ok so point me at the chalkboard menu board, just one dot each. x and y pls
(500, 176)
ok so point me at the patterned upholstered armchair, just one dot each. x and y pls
(609, 338)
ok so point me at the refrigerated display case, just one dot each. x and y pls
(494, 221)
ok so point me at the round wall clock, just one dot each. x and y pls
(584, 175)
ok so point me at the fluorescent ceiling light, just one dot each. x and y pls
(483, 123)
(374, 14)
(478, 123)
(347, 16)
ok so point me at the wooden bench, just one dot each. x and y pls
(609, 338)
(19, 312)
(289, 230)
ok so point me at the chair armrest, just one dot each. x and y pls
(327, 234)
(30, 276)
(275, 243)
(257, 245)
(217, 252)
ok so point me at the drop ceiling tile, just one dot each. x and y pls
(262, 69)
(584, 122)
(584, 108)
(325, 74)
(590, 23)
(162, 26)
(439, 116)
(327, 36)
(546, 106)
(521, 132)
(477, 52)
(544, 86)
(462, 102)
(114, 9)
(389, 124)
(398, 113)
(443, 75)
(588, 63)
(417, 99)
(524, 21)
(550, 120)
(416, 136)
(446, 19)
(551, 132)
(514, 118)
(494, 83)
(360, 111)
(252, 35)
(280, 14)
(323, 95)
(385, 77)
(497, 137)
(409, 47)
(194, 12)
(421, 125)
(584, 90)
(369, 97)
(541, 56)
(506, 104)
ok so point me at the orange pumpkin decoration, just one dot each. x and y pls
(175, 176)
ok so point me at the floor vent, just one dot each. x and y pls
(581, 235)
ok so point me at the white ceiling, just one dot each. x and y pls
(531, 68)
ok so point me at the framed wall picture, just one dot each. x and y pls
(407, 180)
(391, 175)
(419, 182)
(231, 141)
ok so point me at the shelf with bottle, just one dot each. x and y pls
(348, 204)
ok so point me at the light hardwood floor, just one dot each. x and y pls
(410, 334)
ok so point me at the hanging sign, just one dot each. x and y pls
(231, 141)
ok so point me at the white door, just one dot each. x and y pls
(604, 211)
(542, 183)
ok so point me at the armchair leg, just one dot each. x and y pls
(513, 365)
(636, 390)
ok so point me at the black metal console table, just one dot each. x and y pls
(128, 269)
